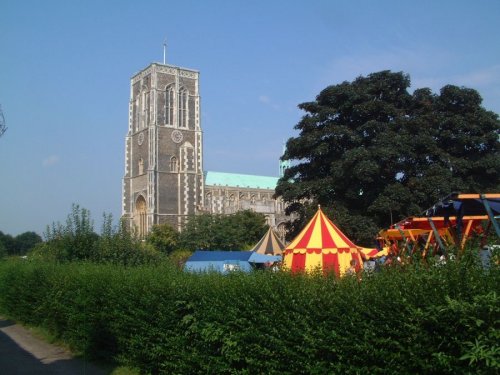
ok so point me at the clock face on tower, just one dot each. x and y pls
(140, 139)
(177, 136)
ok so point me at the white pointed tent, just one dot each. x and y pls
(270, 244)
(268, 249)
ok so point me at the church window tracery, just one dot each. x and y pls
(230, 202)
(141, 166)
(140, 217)
(169, 105)
(183, 108)
(208, 202)
(136, 113)
(174, 164)
(146, 112)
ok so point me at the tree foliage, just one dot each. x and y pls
(372, 153)
(117, 245)
(20, 244)
(77, 241)
(7, 243)
(3, 250)
(239, 231)
(164, 238)
(26, 241)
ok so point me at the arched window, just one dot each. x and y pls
(146, 117)
(183, 108)
(208, 202)
(230, 203)
(174, 164)
(169, 105)
(137, 112)
(140, 218)
(141, 166)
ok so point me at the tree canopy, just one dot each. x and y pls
(371, 153)
(77, 241)
(163, 237)
(239, 231)
(20, 244)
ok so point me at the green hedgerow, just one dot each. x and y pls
(420, 318)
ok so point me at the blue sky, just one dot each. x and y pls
(65, 69)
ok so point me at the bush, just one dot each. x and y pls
(73, 241)
(179, 257)
(163, 237)
(119, 246)
(415, 319)
(77, 241)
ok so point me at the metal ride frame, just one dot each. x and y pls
(450, 222)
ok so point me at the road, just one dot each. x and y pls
(21, 354)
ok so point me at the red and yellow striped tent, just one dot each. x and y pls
(321, 245)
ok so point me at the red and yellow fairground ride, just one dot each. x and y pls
(449, 223)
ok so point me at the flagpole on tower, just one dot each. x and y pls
(164, 50)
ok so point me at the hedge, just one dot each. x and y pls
(442, 320)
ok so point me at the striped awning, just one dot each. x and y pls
(321, 245)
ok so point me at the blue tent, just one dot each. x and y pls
(225, 261)
(219, 261)
(264, 258)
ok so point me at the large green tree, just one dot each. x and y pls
(371, 153)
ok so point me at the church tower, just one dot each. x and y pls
(163, 180)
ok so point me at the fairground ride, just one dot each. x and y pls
(449, 223)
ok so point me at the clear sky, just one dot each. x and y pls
(65, 69)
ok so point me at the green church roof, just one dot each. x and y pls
(240, 180)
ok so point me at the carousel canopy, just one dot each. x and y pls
(270, 244)
(321, 245)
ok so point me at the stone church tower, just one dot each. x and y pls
(163, 180)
